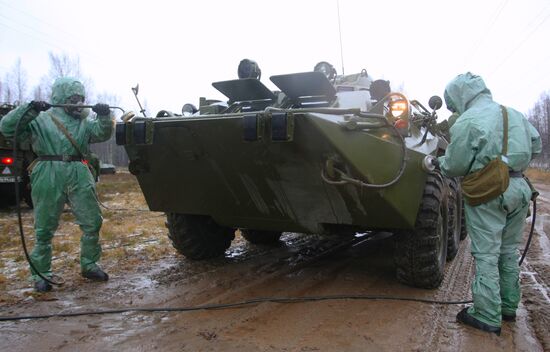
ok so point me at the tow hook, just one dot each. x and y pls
(429, 163)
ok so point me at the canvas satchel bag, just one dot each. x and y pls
(490, 182)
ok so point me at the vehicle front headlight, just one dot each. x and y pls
(399, 108)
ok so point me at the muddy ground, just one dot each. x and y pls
(147, 272)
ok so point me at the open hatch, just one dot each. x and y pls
(306, 88)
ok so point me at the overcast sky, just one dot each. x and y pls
(176, 49)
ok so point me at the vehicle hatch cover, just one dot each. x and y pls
(305, 84)
(246, 89)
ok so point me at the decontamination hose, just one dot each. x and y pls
(18, 207)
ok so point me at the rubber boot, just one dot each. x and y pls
(465, 318)
(509, 317)
(96, 274)
(42, 286)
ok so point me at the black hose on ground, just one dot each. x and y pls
(18, 207)
(232, 305)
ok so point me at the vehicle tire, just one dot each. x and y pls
(420, 254)
(261, 237)
(198, 236)
(27, 194)
(454, 217)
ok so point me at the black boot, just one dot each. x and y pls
(509, 317)
(42, 286)
(96, 275)
(465, 318)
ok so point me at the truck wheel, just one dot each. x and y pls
(26, 191)
(261, 237)
(420, 254)
(198, 236)
(454, 218)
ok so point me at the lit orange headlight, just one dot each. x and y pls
(399, 108)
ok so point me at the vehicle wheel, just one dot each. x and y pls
(26, 192)
(420, 254)
(198, 236)
(454, 218)
(261, 237)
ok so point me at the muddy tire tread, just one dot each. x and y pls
(416, 251)
(197, 236)
(453, 243)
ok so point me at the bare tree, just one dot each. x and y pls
(8, 92)
(14, 86)
(20, 81)
(539, 116)
(38, 93)
(61, 65)
(64, 66)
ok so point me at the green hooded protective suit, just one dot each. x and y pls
(55, 183)
(495, 227)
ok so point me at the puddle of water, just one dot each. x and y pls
(545, 200)
(542, 220)
(236, 252)
(541, 288)
(11, 267)
(140, 283)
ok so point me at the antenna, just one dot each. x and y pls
(340, 33)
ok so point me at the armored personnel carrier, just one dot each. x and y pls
(324, 154)
(9, 167)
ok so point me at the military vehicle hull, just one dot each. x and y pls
(319, 157)
(277, 185)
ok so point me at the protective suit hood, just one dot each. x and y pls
(64, 88)
(463, 90)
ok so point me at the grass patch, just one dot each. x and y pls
(155, 252)
(67, 217)
(70, 263)
(118, 183)
(64, 247)
(22, 274)
(7, 228)
(128, 241)
(9, 235)
(129, 238)
(115, 253)
(106, 213)
(107, 234)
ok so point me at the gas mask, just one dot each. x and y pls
(76, 112)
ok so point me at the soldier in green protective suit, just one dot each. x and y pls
(60, 176)
(495, 227)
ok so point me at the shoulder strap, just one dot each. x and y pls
(66, 133)
(505, 130)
